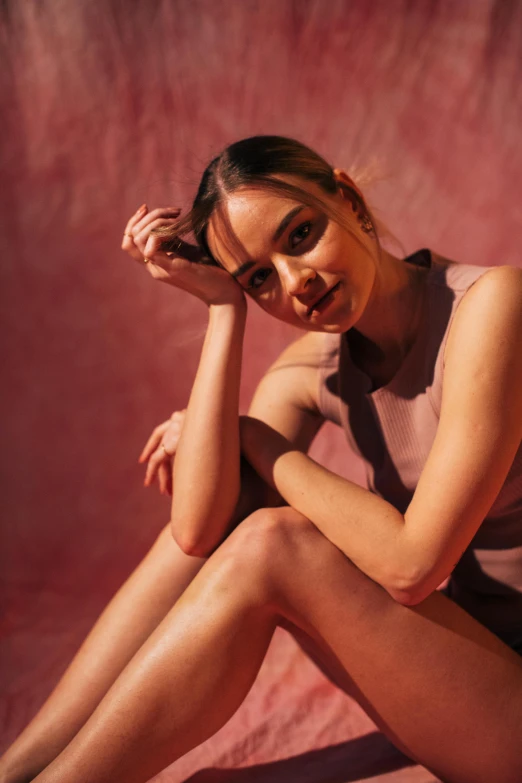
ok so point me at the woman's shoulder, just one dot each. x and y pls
(464, 286)
(301, 364)
(455, 287)
(466, 298)
(495, 295)
(460, 276)
(310, 347)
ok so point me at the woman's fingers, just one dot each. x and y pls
(136, 231)
(163, 476)
(146, 219)
(159, 465)
(169, 481)
(141, 235)
(140, 212)
(154, 462)
(154, 440)
(159, 451)
(128, 233)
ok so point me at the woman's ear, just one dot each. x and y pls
(349, 190)
(341, 176)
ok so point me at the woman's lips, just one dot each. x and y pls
(324, 301)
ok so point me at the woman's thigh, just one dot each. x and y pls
(323, 658)
(439, 684)
(513, 637)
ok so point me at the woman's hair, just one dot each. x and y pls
(259, 162)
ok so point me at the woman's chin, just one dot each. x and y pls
(332, 328)
(337, 323)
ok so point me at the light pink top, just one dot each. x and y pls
(392, 430)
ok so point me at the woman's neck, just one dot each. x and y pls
(388, 328)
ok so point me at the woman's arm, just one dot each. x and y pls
(206, 472)
(206, 469)
(285, 401)
(479, 432)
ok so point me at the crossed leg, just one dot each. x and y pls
(443, 688)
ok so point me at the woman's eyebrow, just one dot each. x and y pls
(285, 221)
(243, 268)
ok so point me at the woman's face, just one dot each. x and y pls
(293, 260)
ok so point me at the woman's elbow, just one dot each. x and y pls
(188, 544)
(409, 588)
(410, 592)
(194, 544)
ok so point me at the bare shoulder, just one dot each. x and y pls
(497, 280)
(297, 368)
(493, 303)
(309, 347)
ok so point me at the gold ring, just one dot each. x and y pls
(165, 450)
(128, 235)
(146, 260)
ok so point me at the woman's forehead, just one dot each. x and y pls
(253, 207)
(247, 221)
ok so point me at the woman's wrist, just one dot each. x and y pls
(233, 308)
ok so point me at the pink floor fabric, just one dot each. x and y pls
(106, 106)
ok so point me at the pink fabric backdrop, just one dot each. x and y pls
(107, 105)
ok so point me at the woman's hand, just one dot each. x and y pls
(186, 268)
(160, 450)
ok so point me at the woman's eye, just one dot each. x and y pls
(258, 278)
(300, 234)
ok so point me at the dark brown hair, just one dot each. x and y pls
(260, 161)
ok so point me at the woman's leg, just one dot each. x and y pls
(134, 612)
(442, 687)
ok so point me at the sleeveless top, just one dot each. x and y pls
(392, 430)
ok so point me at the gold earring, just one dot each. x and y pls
(366, 224)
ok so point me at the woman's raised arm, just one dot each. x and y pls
(206, 473)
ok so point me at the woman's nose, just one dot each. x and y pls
(296, 277)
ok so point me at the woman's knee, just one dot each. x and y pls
(268, 532)
(291, 554)
(268, 543)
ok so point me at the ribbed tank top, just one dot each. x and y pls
(392, 430)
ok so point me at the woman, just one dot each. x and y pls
(420, 361)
